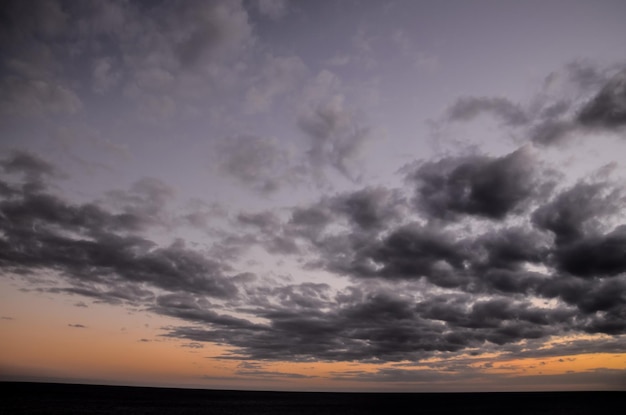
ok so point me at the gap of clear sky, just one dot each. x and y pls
(314, 195)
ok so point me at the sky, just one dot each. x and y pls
(417, 196)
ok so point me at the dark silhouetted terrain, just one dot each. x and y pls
(45, 398)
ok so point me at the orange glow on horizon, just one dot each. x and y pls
(57, 340)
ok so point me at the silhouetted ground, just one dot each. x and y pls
(50, 398)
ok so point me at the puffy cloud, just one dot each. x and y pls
(489, 187)
(370, 208)
(577, 211)
(595, 256)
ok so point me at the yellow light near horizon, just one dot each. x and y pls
(120, 345)
(560, 364)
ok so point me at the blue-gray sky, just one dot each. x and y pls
(316, 195)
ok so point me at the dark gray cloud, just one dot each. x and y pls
(370, 208)
(562, 110)
(510, 248)
(412, 252)
(552, 132)
(383, 326)
(195, 308)
(117, 293)
(380, 327)
(88, 244)
(562, 118)
(595, 256)
(490, 187)
(267, 231)
(608, 108)
(578, 211)
(32, 167)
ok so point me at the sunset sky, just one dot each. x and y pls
(314, 195)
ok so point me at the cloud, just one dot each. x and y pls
(88, 244)
(468, 108)
(105, 76)
(381, 326)
(144, 202)
(77, 326)
(552, 132)
(274, 9)
(260, 163)
(511, 248)
(577, 211)
(369, 208)
(166, 57)
(199, 30)
(32, 167)
(336, 137)
(594, 256)
(34, 97)
(489, 187)
(608, 108)
(413, 291)
(569, 114)
(562, 110)
(474, 254)
(276, 77)
(193, 345)
(249, 369)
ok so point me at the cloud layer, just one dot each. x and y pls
(473, 254)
